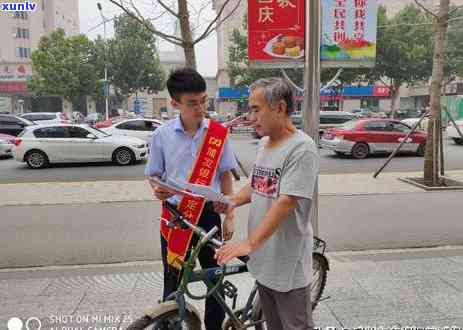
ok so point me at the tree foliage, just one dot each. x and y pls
(453, 65)
(134, 63)
(404, 47)
(62, 66)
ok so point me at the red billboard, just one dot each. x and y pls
(381, 91)
(276, 31)
(13, 87)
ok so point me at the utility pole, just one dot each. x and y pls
(311, 111)
(106, 86)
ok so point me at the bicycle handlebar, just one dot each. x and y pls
(182, 221)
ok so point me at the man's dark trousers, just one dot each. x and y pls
(214, 314)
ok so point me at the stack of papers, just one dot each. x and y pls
(190, 189)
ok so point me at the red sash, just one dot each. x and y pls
(203, 173)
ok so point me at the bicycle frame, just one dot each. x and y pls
(207, 276)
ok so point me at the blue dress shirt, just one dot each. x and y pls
(173, 153)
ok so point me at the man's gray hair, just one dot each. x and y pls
(275, 90)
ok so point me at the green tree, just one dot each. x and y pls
(453, 65)
(62, 66)
(132, 58)
(404, 50)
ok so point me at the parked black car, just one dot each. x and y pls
(13, 125)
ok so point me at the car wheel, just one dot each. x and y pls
(36, 159)
(421, 149)
(123, 156)
(458, 141)
(360, 150)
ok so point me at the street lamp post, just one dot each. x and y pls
(106, 87)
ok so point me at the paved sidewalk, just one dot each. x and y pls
(138, 190)
(391, 289)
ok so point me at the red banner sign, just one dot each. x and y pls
(381, 91)
(276, 30)
(13, 87)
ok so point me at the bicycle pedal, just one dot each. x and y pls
(229, 289)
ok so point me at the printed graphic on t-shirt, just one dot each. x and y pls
(265, 181)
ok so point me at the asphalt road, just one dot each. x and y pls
(245, 147)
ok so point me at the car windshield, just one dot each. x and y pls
(97, 132)
(349, 124)
(39, 116)
(27, 121)
(22, 132)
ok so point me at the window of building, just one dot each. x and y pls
(22, 33)
(23, 52)
(20, 15)
(369, 103)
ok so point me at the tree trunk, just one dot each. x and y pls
(431, 160)
(187, 36)
(395, 99)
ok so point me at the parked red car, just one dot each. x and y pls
(363, 137)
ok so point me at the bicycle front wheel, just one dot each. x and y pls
(167, 321)
(320, 274)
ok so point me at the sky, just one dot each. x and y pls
(90, 25)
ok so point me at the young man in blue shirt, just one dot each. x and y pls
(174, 150)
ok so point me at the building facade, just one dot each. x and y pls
(21, 33)
(410, 97)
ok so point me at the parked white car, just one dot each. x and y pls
(6, 145)
(41, 145)
(141, 128)
(453, 133)
(47, 117)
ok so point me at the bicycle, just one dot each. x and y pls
(177, 313)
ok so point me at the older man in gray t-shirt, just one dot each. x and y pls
(280, 235)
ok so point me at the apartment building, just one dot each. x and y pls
(21, 33)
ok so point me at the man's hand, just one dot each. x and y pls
(159, 192)
(232, 250)
(225, 208)
(228, 226)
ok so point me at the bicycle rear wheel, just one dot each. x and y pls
(320, 274)
(166, 321)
